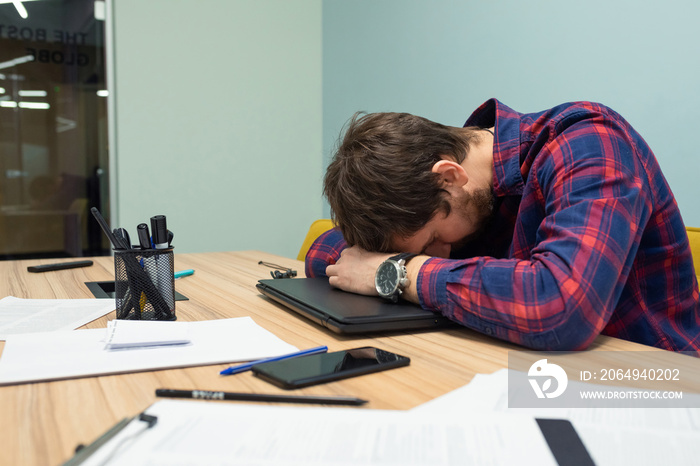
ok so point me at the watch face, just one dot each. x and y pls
(387, 278)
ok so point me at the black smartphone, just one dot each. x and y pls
(326, 367)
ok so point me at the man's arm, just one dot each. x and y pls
(575, 241)
(324, 252)
(356, 268)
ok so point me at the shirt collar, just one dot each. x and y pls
(507, 178)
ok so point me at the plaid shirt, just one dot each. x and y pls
(587, 239)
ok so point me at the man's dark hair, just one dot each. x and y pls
(380, 183)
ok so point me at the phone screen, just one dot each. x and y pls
(325, 367)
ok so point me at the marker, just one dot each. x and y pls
(159, 229)
(208, 395)
(144, 236)
(183, 273)
(246, 367)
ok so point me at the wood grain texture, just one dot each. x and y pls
(44, 422)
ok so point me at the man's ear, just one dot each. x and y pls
(451, 173)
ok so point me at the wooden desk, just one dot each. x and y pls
(44, 422)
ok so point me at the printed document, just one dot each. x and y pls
(612, 436)
(222, 433)
(19, 315)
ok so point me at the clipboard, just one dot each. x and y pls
(84, 452)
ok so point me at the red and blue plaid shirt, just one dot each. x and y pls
(587, 239)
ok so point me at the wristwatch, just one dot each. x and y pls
(391, 278)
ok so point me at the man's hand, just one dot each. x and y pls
(355, 270)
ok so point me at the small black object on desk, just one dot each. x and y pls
(58, 266)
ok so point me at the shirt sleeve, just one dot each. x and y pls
(580, 215)
(324, 252)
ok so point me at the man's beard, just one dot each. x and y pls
(484, 202)
(478, 207)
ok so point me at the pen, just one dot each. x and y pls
(208, 395)
(246, 367)
(103, 224)
(184, 273)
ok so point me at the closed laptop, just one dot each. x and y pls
(348, 313)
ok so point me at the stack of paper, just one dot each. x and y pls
(196, 432)
(131, 334)
(80, 353)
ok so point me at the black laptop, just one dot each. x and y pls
(348, 313)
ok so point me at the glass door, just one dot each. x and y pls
(53, 128)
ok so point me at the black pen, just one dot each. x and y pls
(208, 395)
(103, 224)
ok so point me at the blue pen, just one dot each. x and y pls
(184, 273)
(248, 366)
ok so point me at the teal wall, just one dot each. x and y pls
(442, 58)
(226, 111)
(218, 120)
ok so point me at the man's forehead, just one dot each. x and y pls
(415, 243)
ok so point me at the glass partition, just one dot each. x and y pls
(53, 128)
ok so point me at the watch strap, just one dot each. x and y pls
(406, 256)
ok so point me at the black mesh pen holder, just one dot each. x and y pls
(144, 284)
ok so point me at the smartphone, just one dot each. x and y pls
(326, 367)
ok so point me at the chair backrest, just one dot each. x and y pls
(694, 238)
(315, 230)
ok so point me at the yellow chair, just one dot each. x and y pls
(694, 238)
(315, 230)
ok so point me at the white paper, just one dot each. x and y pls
(124, 334)
(19, 315)
(222, 433)
(612, 436)
(80, 353)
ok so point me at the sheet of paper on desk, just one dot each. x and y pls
(197, 432)
(19, 315)
(80, 353)
(613, 436)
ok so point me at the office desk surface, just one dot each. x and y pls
(44, 422)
